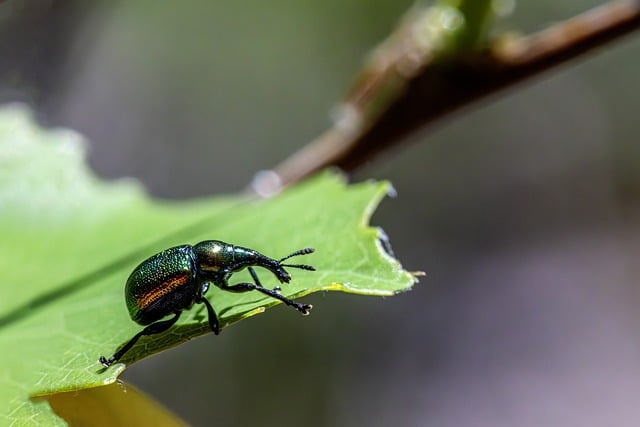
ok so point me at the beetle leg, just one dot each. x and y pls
(257, 286)
(154, 328)
(214, 324)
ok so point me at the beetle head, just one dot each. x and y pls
(282, 274)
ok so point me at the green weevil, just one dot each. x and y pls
(177, 278)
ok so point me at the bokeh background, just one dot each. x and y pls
(523, 211)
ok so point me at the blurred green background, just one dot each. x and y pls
(523, 211)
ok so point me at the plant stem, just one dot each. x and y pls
(406, 86)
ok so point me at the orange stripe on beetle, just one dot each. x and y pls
(158, 292)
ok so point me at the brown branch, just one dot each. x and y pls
(405, 86)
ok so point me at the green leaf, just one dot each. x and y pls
(69, 242)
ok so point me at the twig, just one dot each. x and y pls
(410, 83)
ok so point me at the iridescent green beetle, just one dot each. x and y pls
(173, 280)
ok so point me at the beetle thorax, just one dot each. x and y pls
(213, 256)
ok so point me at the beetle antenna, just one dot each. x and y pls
(300, 266)
(304, 251)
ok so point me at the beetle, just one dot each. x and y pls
(177, 278)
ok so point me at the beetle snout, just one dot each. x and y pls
(283, 275)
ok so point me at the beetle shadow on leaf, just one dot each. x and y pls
(180, 333)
